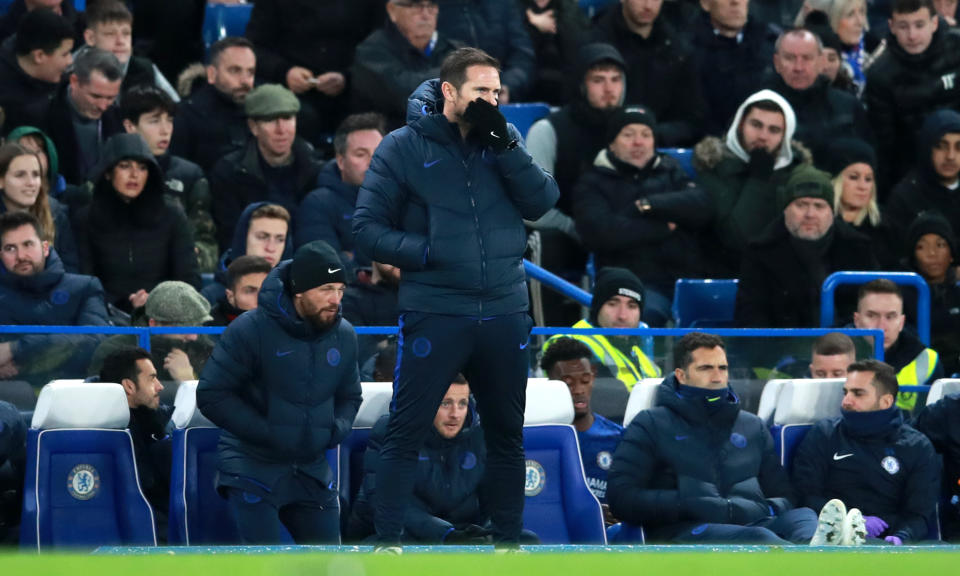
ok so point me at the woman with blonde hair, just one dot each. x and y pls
(24, 188)
(853, 165)
(848, 19)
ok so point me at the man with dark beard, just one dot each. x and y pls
(743, 171)
(283, 386)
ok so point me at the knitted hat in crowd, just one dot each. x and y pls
(929, 223)
(806, 182)
(270, 101)
(615, 282)
(845, 152)
(315, 264)
(818, 22)
(178, 304)
(630, 115)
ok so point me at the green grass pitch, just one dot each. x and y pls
(641, 561)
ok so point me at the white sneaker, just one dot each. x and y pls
(854, 529)
(830, 524)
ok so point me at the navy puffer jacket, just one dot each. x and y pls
(450, 215)
(681, 465)
(282, 391)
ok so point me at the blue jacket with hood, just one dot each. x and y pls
(282, 390)
(214, 292)
(682, 464)
(449, 213)
(327, 214)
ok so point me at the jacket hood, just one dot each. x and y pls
(277, 303)
(589, 56)
(426, 100)
(785, 155)
(710, 151)
(937, 124)
(126, 147)
(41, 283)
(53, 160)
(239, 245)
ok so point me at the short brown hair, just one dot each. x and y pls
(355, 123)
(454, 67)
(106, 12)
(275, 211)
(243, 265)
(834, 344)
(884, 375)
(684, 347)
(879, 286)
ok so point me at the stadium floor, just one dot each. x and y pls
(477, 561)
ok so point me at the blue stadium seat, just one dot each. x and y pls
(81, 486)
(525, 114)
(701, 303)
(198, 515)
(376, 403)
(790, 437)
(684, 156)
(559, 507)
(5, 6)
(222, 20)
(799, 403)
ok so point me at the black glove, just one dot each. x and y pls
(761, 163)
(471, 535)
(489, 127)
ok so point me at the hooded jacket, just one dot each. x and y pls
(891, 473)
(282, 390)
(902, 89)
(681, 464)
(213, 292)
(620, 235)
(744, 199)
(186, 183)
(138, 244)
(238, 179)
(446, 494)
(567, 142)
(52, 298)
(449, 213)
(780, 288)
(53, 159)
(921, 189)
(661, 74)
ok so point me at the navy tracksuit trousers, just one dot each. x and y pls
(492, 354)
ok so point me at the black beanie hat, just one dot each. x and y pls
(630, 115)
(818, 22)
(929, 223)
(615, 282)
(843, 152)
(315, 264)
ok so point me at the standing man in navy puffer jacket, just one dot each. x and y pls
(444, 200)
(283, 385)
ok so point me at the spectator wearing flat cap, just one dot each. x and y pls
(177, 357)
(782, 270)
(853, 164)
(637, 209)
(275, 166)
(284, 387)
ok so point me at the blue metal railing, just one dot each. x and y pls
(144, 334)
(836, 279)
(554, 282)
